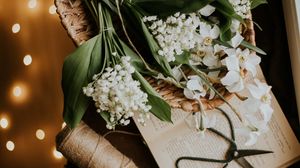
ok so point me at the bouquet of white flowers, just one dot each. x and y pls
(188, 54)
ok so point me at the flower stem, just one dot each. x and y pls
(128, 38)
(215, 90)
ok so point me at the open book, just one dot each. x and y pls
(168, 142)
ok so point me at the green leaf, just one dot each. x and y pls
(225, 32)
(252, 47)
(165, 8)
(225, 8)
(105, 115)
(136, 61)
(164, 65)
(160, 108)
(182, 59)
(226, 44)
(78, 69)
(255, 3)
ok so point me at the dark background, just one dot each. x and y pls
(44, 38)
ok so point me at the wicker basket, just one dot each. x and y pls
(78, 23)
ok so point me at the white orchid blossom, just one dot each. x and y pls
(235, 26)
(207, 10)
(261, 99)
(232, 80)
(208, 33)
(199, 121)
(248, 60)
(237, 59)
(194, 88)
(210, 59)
(218, 48)
(236, 40)
(207, 55)
(253, 129)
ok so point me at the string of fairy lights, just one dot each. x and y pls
(18, 91)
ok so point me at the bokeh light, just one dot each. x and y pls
(4, 123)
(40, 134)
(57, 154)
(10, 146)
(52, 9)
(27, 60)
(17, 91)
(32, 4)
(16, 28)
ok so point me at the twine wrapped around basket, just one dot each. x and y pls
(80, 27)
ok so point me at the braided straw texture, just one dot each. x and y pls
(80, 28)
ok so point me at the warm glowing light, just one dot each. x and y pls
(40, 134)
(16, 28)
(63, 125)
(27, 60)
(10, 145)
(52, 9)
(32, 4)
(17, 91)
(4, 123)
(57, 154)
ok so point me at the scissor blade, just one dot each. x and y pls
(250, 152)
(243, 162)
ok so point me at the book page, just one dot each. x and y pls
(168, 142)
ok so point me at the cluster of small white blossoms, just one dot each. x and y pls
(242, 7)
(185, 32)
(116, 92)
(175, 34)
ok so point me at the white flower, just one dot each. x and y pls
(210, 59)
(218, 48)
(232, 80)
(208, 33)
(252, 130)
(116, 92)
(242, 7)
(235, 25)
(194, 88)
(246, 59)
(204, 55)
(236, 40)
(200, 122)
(175, 34)
(261, 91)
(207, 10)
(261, 99)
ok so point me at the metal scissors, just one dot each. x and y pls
(233, 153)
